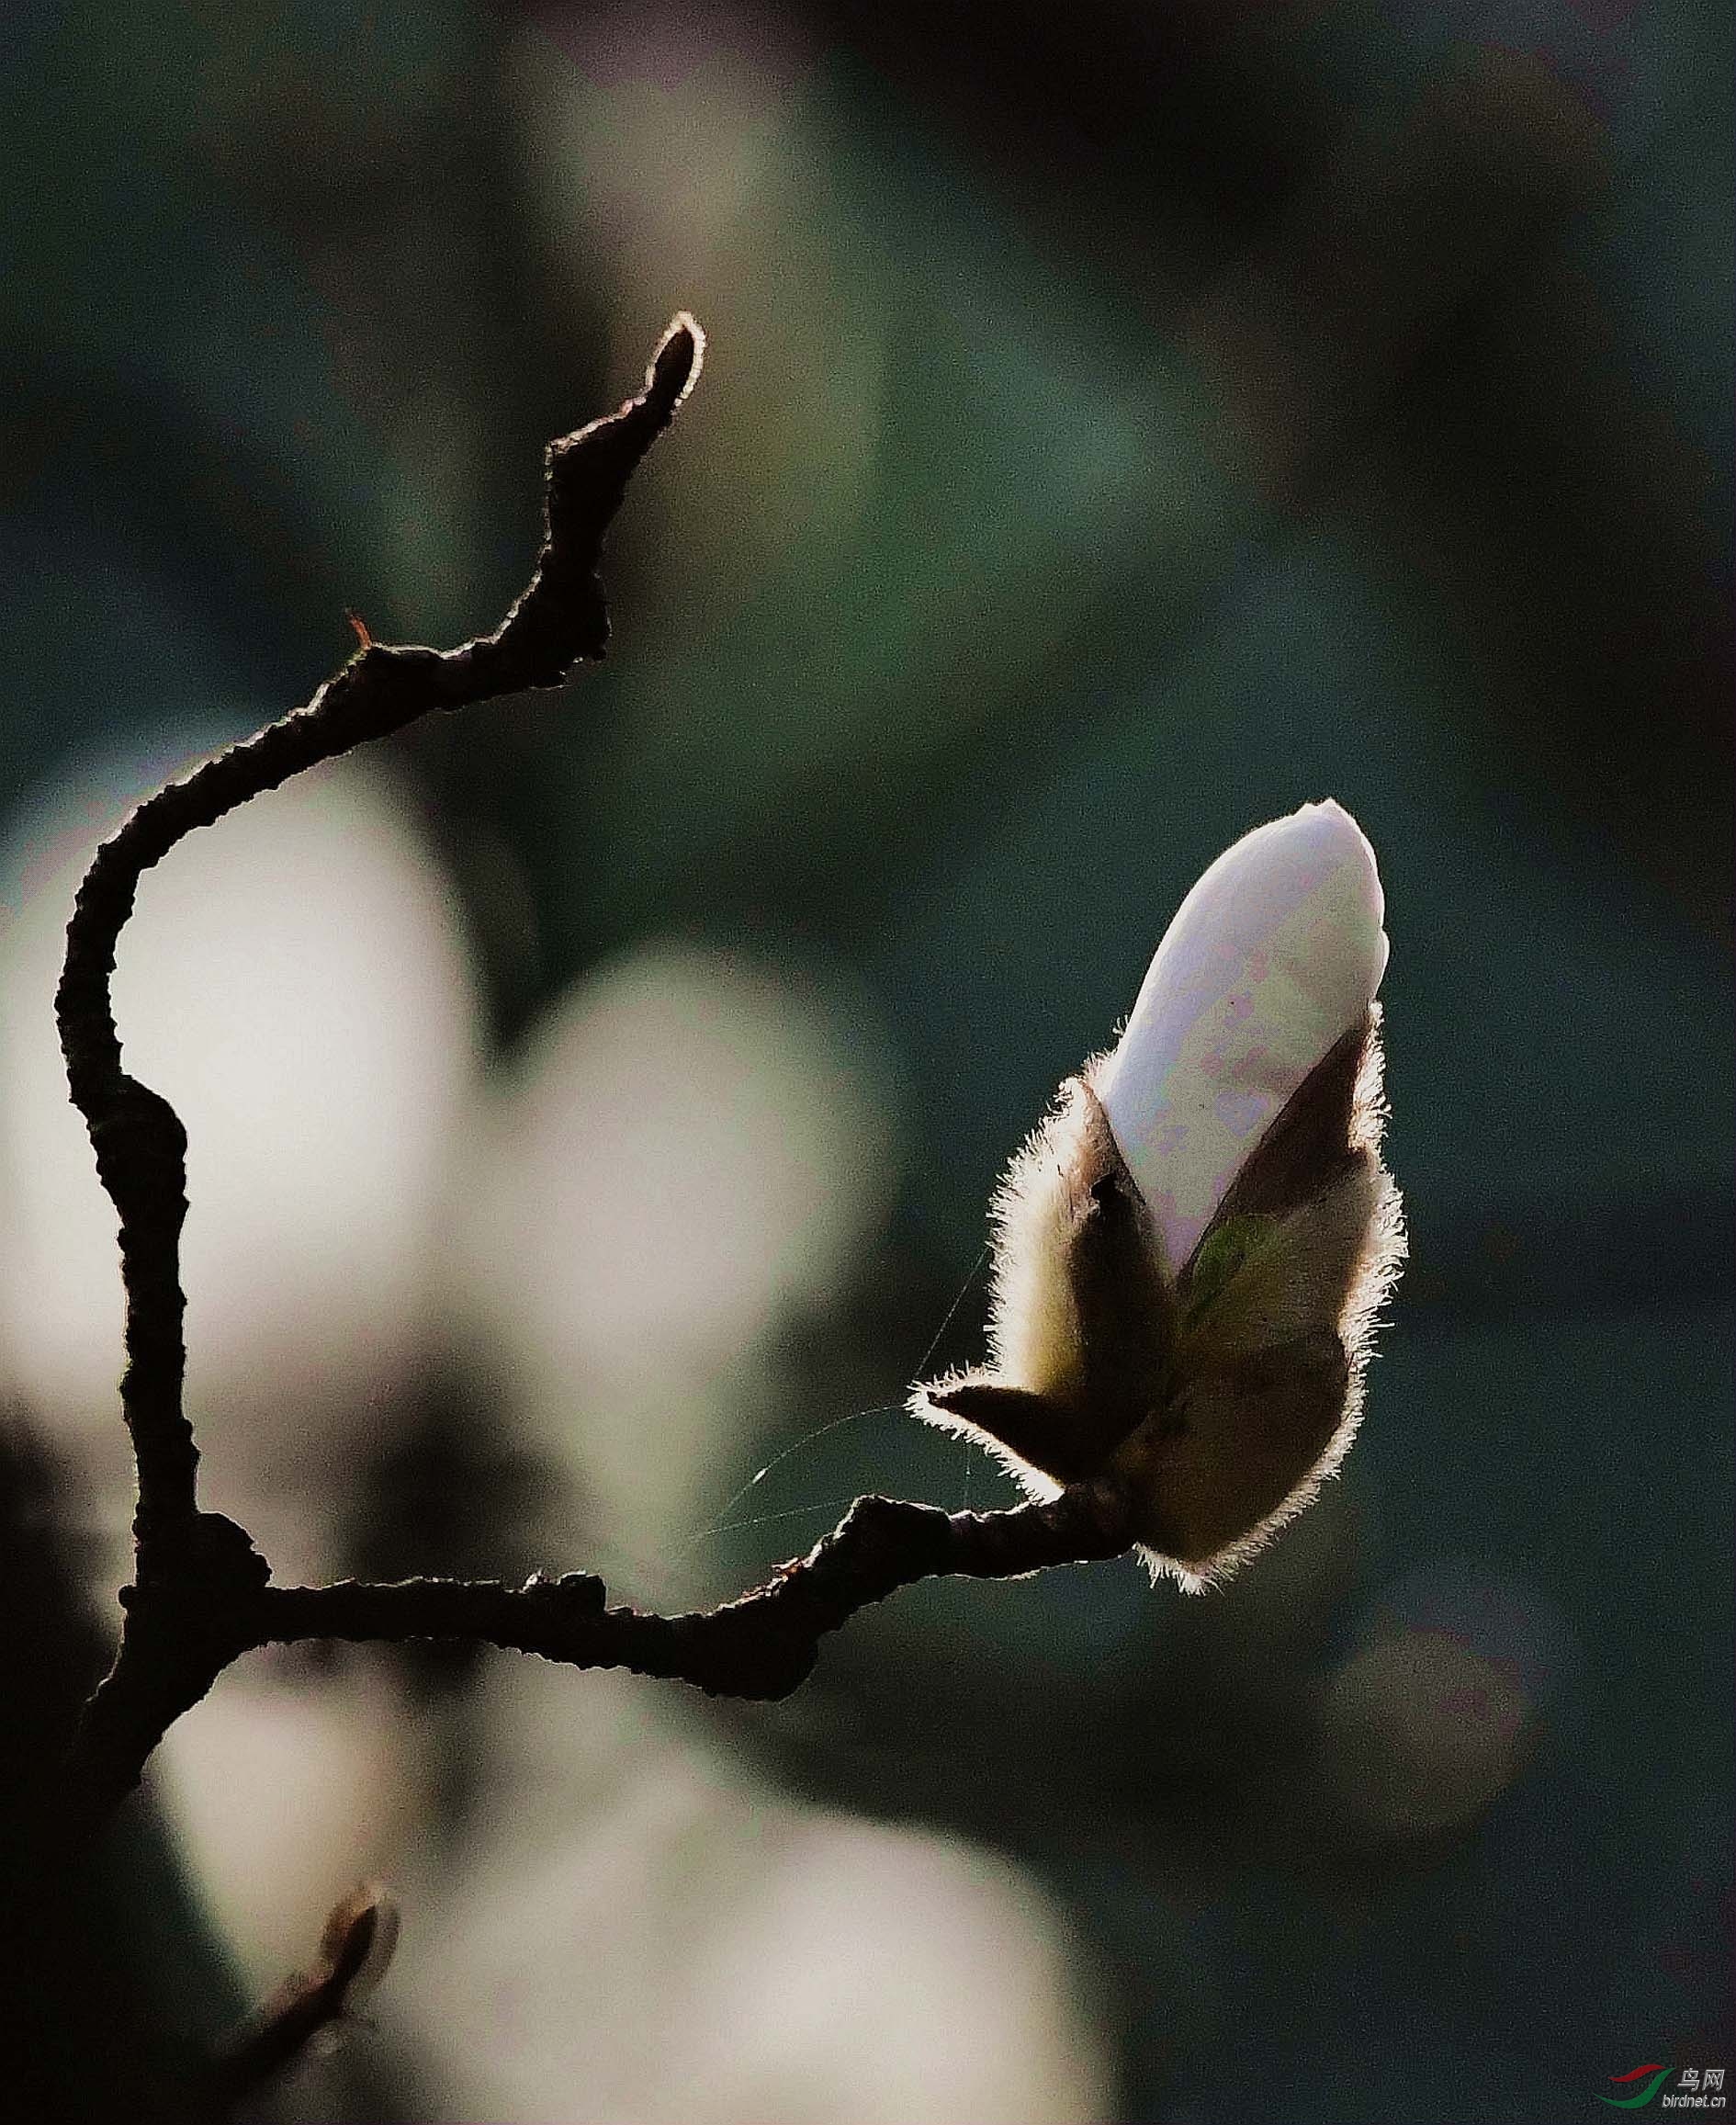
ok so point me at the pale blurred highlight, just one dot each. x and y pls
(683, 1944)
(296, 982)
(284, 1790)
(690, 1144)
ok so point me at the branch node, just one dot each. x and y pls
(577, 1593)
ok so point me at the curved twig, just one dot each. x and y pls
(139, 1144)
(201, 1595)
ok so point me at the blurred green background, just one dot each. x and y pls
(1119, 426)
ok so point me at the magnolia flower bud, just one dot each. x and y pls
(1273, 956)
(1190, 1249)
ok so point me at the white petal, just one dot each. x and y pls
(1271, 958)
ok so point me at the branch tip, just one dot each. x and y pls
(679, 356)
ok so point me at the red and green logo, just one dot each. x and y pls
(1660, 2074)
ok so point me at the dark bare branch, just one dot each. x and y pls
(139, 1144)
(764, 1645)
(202, 1595)
(194, 1572)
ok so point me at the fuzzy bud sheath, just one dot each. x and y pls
(1191, 1250)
